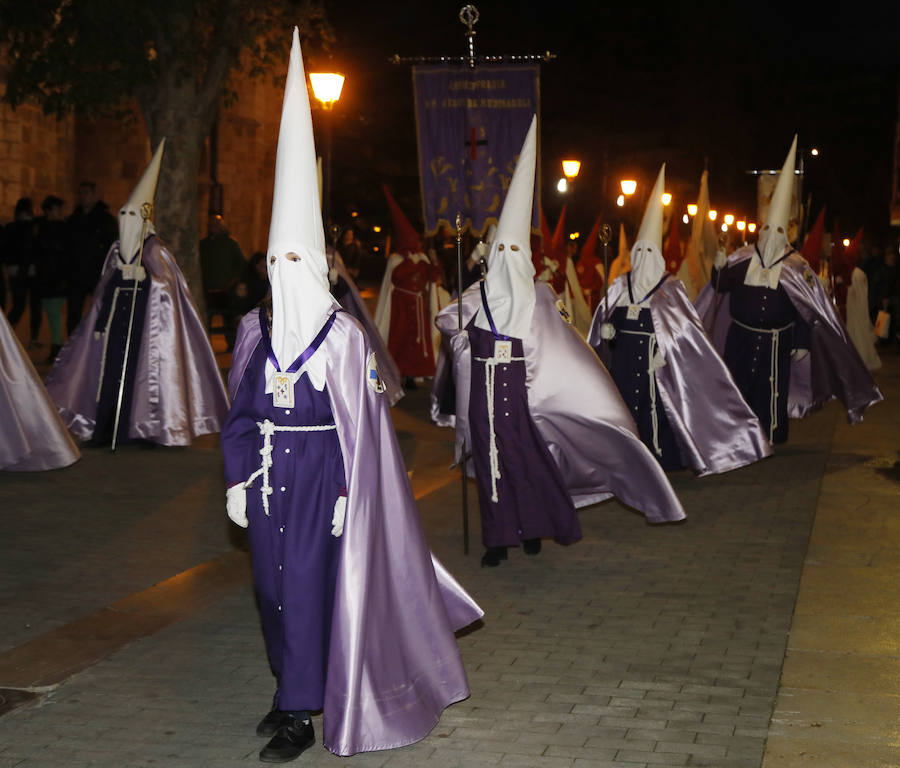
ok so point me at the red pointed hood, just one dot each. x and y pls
(588, 250)
(406, 239)
(673, 253)
(812, 248)
(851, 253)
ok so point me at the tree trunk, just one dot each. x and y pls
(175, 214)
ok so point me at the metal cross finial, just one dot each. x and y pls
(468, 15)
(605, 234)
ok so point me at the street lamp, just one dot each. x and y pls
(729, 219)
(741, 225)
(666, 198)
(751, 227)
(571, 168)
(712, 214)
(620, 201)
(692, 209)
(562, 186)
(327, 88)
(686, 219)
(846, 242)
(814, 152)
(629, 186)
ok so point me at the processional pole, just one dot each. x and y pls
(146, 213)
(468, 16)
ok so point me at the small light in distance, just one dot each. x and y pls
(692, 209)
(562, 185)
(376, 228)
(686, 219)
(741, 225)
(620, 200)
(712, 214)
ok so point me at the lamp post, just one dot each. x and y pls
(327, 89)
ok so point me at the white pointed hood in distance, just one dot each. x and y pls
(773, 236)
(647, 262)
(509, 284)
(131, 223)
(301, 302)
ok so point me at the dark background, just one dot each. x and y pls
(635, 84)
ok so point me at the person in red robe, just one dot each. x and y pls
(408, 299)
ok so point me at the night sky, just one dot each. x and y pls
(639, 83)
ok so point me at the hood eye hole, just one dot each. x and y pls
(766, 228)
(292, 256)
(514, 247)
(500, 247)
(272, 259)
(781, 230)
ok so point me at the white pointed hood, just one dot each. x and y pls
(509, 284)
(301, 302)
(773, 236)
(130, 219)
(647, 262)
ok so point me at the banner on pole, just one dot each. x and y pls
(470, 126)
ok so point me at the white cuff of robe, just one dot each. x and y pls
(236, 505)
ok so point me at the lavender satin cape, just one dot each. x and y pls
(715, 428)
(833, 367)
(33, 436)
(353, 303)
(393, 662)
(576, 407)
(178, 390)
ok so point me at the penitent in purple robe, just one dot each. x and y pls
(295, 557)
(177, 392)
(832, 369)
(521, 494)
(391, 663)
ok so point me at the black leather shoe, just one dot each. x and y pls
(289, 741)
(272, 722)
(493, 556)
(531, 546)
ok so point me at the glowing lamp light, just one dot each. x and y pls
(629, 186)
(846, 241)
(751, 227)
(724, 227)
(326, 87)
(729, 219)
(376, 248)
(814, 152)
(692, 209)
(376, 229)
(713, 214)
(562, 185)
(354, 214)
(666, 198)
(620, 200)
(571, 168)
(685, 218)
(741, 225)
(574, 235)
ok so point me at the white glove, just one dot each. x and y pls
(607, 331)
(799, 354)
(236, 505)
(333, 275)
(337, 522)
(720, 259)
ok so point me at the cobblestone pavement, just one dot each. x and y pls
(638, 646)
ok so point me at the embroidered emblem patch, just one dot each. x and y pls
(372, 377)
(809, 277)
(563, 312)
(503, 351)
(283, 391)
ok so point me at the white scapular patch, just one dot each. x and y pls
(372, 377)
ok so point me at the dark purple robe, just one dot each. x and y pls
(531, 498)
(833, 367)
(295, 557)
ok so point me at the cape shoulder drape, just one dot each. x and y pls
(576, 408)
(33, 436)
(393, 661)
(179, 390)
(832, 369)
(715, 429)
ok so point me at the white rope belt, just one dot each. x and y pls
(490, 370)
(267, 429)
(652, 349)
(775, 333)
(421, 320)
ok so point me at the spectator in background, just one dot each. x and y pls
(254, 285)
(19, 244)
(51, 256)
(92, 231)
(352, 252)
(222, 263)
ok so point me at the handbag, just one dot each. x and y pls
(883, 324)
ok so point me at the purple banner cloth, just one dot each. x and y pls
(715, 429)
(178, 390)
(833, 368)
(470, 126)
(354, 304)
(577, 409)
(32, 436)
(393, 662)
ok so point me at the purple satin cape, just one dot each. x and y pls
(715, 428)
(33, 436)
(833, 367)
(393, 662)
(577, 409)
(353, 303)
(178, 390)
